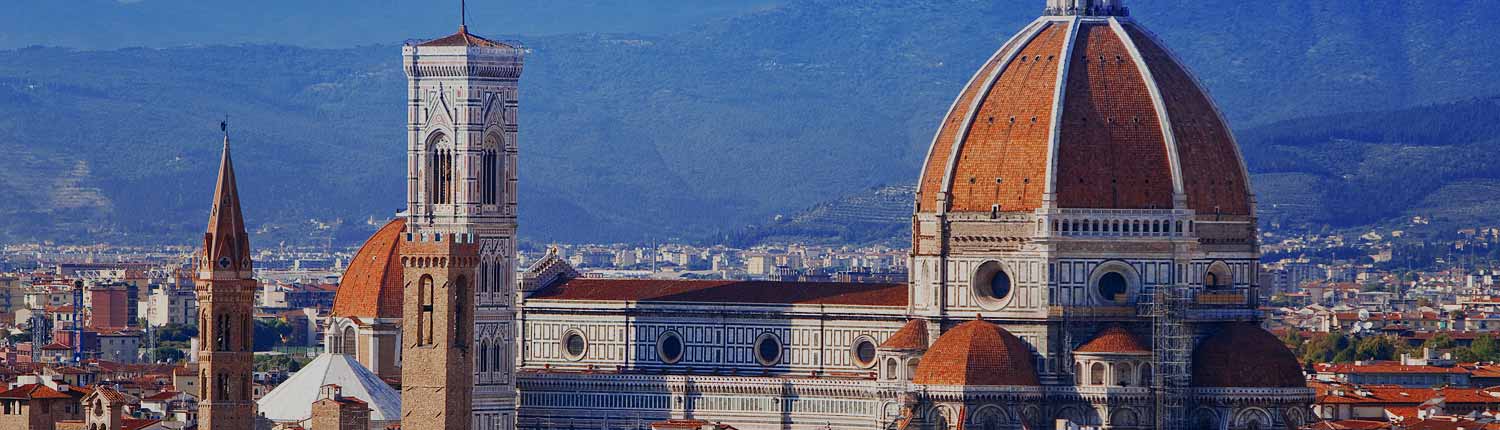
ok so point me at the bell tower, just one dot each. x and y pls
(226, 300)
(458, 332)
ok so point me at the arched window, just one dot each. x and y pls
(1123, 377)
(221, 334)
(1217, 276)
(349, 342)
(461, 326)
(891, 367)
(484, 365)
(440, 169)
(1096, 374)
(490, 170)
(424, 312)
(1078, 370)
(1148, 379)
(495, 356)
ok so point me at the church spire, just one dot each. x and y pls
(226, 246)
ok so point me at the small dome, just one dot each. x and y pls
(911, 336)
(977, 353)
(1242, 355)
(371, 286)
(1114, 340)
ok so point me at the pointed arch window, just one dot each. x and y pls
(440, 169)
(424, 310)
(490, 169)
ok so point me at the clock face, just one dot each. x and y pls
(224, 262)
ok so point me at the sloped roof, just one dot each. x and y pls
(292, 400)
(464, 38)
(32, 392)
(913, 335)
(1114, 340)
(726, 292)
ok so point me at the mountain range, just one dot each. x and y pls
(691, 134)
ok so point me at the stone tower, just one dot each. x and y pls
(459, 245)
(226, 294)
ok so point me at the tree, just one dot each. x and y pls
(169, 355)
(1375, 348)
(1484, 349)
(1439, 342)
(176, 332)
(270, 333)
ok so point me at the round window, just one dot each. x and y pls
(864, 352)
(768, 349)
(1112, 287)
(574, 345)
(992, 284)
(669, 347)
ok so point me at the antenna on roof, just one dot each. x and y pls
(463, 14)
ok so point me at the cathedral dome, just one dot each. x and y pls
(977, 353)
(1242, 355)
(1092, 112)
(371, 286)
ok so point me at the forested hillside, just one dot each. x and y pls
(686, 135)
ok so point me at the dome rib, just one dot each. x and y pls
(1000, 141)
(371, 285)
(1084, 112)
(1110, 154)
(1179, 198)
(1214, 178)
(937, 168)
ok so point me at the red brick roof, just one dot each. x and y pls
(1387, 367)
(1243, 355)
(464, 38)
(1114, 340)
(746, 292)
(33, 392)
(1112, 149)
(977, 353)
(371, 286)
(913, 335)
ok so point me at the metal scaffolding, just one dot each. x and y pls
(1171, 355)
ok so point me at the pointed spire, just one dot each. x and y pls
(225, 244)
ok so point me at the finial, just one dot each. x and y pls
(224, 127)
(463, 16)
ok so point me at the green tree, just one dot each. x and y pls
(1485, 349)
(1439, 342)
(1375, 348)
(169, 355)
(271, 333)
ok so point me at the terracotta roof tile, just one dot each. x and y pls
(913, 335)
(1114, 340)
(33, 392)
(464, 38)
(1243, 355)
(746, 292)
(371, 286)
(977, 353)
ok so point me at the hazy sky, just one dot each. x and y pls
(108, 24)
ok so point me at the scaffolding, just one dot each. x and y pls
(1170, 355)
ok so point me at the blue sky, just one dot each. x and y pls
(109, 24)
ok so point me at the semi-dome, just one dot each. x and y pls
(977, 353)
(371, 286)
(1114, 340)
(1090, 112)
(1242, 355)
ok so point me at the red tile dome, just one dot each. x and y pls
(1242, 355)
(977, 353)
(371, 286)
(1092, 111)
(1114, 340)
(912, 336)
